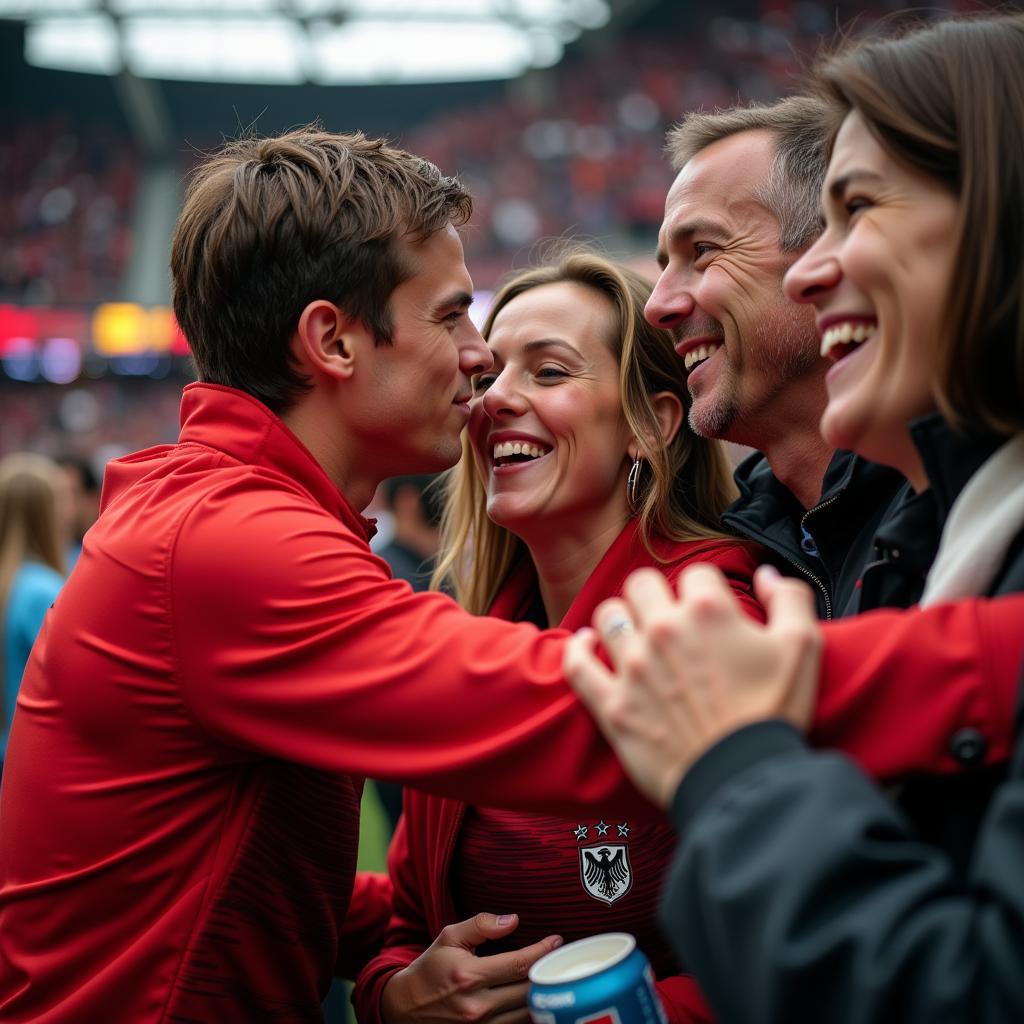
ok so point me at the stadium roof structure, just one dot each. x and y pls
(323, 42)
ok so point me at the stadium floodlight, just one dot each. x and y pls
(89, 43)
(241, 50)
(292, 41)
(23, 10)
(351, 53)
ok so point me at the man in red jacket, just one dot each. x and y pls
(181, 795)
(179, 815)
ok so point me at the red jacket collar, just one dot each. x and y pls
(627, 552)
(242, 427)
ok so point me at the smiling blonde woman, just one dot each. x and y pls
(578, 467)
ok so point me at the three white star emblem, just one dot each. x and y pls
(583, 831)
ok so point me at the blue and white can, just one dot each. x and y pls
(604, 979)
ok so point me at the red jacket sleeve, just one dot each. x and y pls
(683, 1001)
(942, 669)
(407, 934)
(291, 640)
(739, 564)
(366, 922)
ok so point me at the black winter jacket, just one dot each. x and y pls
(907, 537)
(946, 811)
(857, 496)
(801, 893)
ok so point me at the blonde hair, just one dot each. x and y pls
(685, 486)
(28, 519)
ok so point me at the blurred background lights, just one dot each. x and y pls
(318, 41)
(60, 361)
(118, 328)
(20, 359)
(128, 329)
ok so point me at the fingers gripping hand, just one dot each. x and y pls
(739, 671)
(631, 701)
(450, 983)
(686, 672)
(798, 641)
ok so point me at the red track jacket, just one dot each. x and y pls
(179, 828)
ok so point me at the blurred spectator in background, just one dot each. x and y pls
(416, 513)
(32, 546)
(65, 210)
(83, 505)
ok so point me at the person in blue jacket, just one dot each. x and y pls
(31, 564)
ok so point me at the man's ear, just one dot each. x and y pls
(327, 340)
(668, 409)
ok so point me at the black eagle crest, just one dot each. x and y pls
(605, 872)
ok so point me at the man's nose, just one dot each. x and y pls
(670, 303)
(474, 355)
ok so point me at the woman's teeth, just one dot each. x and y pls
(848, 334)
(525, 450)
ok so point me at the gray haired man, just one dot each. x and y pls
(744, 205)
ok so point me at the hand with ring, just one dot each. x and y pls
(687, 671)
(616, 626)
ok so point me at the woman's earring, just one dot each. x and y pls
(631, 483)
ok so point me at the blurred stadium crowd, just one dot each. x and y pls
(574, 150)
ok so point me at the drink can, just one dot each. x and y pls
(603, 979)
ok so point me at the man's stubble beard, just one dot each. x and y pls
(783, 349)
(713, 419)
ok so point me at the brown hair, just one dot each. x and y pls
(269, 225)
(948, 99)
(29, 524)
(685, 486)
(801, 126)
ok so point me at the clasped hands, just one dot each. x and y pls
(688, 670)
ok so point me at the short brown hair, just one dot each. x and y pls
(269, 225)
(949, 100)
(801, 126)
(686, 484)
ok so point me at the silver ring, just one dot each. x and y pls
(617, 627)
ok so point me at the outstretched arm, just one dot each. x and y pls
(946, 668)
